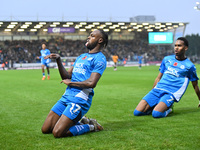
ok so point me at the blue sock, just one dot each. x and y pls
(157, 114)
(43, 74)
(139, 113)
(79, 129)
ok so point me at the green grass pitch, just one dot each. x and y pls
(25, 101)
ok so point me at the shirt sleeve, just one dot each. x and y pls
(193, 74)
(162, 66)
(100, 65)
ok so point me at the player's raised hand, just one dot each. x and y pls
(52, 56)
(66, 81)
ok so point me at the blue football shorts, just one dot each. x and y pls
(46, 64)
(156, 96)
(74, 111)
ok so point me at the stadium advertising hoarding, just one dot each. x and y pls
(160, 37)
(61, 30)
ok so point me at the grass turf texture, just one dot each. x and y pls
(25, 101)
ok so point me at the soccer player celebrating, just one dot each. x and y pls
(171, 83)
(45, 62)
(81, 78)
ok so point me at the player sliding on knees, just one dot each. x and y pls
(64, 119)
(171, 83)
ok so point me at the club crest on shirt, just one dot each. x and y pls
(175, 64)
(182, 67)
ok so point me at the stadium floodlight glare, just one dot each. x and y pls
(175, 26)
(24, 26)
(117, 30)
(121, 23)
(65, 25)
(96, 23)
(45, 30)
(33, 30)
(133, 23)
(112, 27)
(38, 26)
(106, 30)
(140, 26)
(93, 29)
(53, 25)
(14, 23)
(1, 22)
(139, 30)
(28, 23)
(162, 26)
(20, 30)
(11, 26)
(43, 23)
(83, 23)
(108, 23)
(181, 24)
(168, 24)
(70, 23)
(82, 30)
(129, 30)
(116, 25)
(77, 27)
(170, 27)
(145, 24)
(124, 27)
(150, 30)
(56, 23)
(161, 30)
(158, 27)
(136, 27)
(197, 7)
(88, 27)
(157, 24)
(7, 30)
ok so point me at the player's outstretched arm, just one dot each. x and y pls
(196, 88)
(157, 79)
(63, 72)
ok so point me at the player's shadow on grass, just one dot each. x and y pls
(184, 110)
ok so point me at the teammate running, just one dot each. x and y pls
(81, 78)
(171, 83)
(45, 62)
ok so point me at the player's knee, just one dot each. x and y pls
(45, 130)
(137, 113)
(157, 114)
(57, 133)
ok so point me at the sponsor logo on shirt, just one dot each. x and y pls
(79, 68)
(172, 71)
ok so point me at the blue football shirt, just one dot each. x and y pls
(84, 66)
(176, 76)
(43, 54)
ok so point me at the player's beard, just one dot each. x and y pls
(91, 46)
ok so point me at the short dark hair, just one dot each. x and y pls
(184, 40)
(105, 37)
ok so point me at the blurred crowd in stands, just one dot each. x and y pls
(24, 51)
